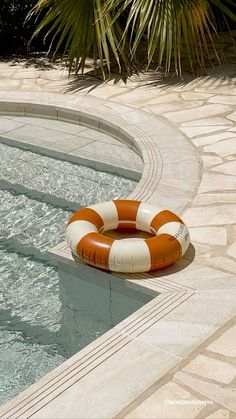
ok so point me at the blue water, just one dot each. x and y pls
(40, 323)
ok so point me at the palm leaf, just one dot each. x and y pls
(174, 28)
(114, 30)
(78, 28)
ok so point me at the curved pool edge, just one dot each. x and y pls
(164, 181)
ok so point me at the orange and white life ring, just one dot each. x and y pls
(84, 236)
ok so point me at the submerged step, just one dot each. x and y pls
(62, 179)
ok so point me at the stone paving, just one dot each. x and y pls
(204, 110)
(203, 388)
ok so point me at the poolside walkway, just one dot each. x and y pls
(204, 110)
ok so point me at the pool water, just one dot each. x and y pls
(42, 322)
(59, 182)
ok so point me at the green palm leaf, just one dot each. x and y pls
(116, 30)
(174, 28)
(81, 30)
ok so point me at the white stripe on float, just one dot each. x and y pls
(109, 214)
(179, 231)
(129, 255)
(127, 222)
(76, 231)
(145, 215)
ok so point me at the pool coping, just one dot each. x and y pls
(136, 348)
(149, 136)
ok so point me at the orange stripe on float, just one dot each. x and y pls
(127, 210)
(130, 226)
(87, 214)
(94, 248)
(164, 250)
(162, 218)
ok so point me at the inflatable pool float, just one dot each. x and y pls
(84, 235)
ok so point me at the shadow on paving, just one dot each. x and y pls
(91, 80)
(151, 79)
(171, 270)
(38, 61)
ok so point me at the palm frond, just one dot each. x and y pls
(116, 30)
(174, 29)
(80, 30)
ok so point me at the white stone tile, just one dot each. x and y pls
(163, 403)
(168, 336)
(177, 154)
(164, 107)
(195, 96)
(217, 182)
(196, 131)
(9, 124)
(51, 124)
(219, 414)
(56, 141)
(9, 84)
(29, 87)
(202, 249)
(209, 161)
(230, 158)
(214, 198)
(136, 96)
(101, 137)
(201, 112)
(121, 154)
(225, 344)
(223, 148)
(183, 187)
(209, 235)
(204, 306)
(142, 120)
(93, 395)
(232, 116)
(187, 169)
(210, 216)
(169, 201)
(212, 139)
(164, 98)
(224, 99)
(53, 74)
(212, 369)
(226, 168)
(232, 250)
(107, 92)
(201, 278)
(217, 86)
(217, 120)
(221, 262)
(40, 132)
(30, 74)
(118, 108)
(221, 395)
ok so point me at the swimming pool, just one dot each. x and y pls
(43, 320)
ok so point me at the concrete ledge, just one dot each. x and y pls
(160, 146)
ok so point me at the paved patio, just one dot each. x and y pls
(204, 111)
